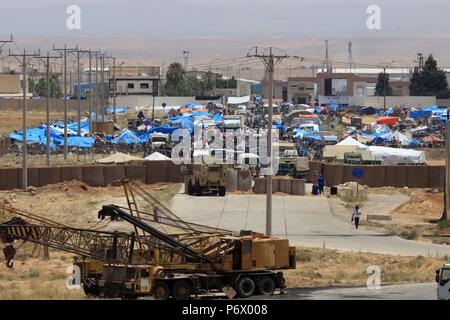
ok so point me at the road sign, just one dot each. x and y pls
(357, 173)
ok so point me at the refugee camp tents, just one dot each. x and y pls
(369, 110)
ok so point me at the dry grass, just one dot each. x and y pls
(36, 279)
(323, 267)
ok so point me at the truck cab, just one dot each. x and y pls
(443, 282)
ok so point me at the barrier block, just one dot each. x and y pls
(9, 178)
(412, 176)
(374, 176)
(436, 177)
(32, 177)
(285, 186)
(422, 176)
(328, 174)
(113, 174)
(173, 172)
(275, 184)
(157, 172)
(298, 187)
(401, 176)
(136, 172)
(93, 176)
(347, 173)
(50, 175)
(260, 186)
(71, 173)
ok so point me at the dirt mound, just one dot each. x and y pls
(426, 205)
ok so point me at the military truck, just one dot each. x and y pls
(289, 163)
(206, 178)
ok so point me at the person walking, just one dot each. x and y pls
(356, 216)
(320, 183)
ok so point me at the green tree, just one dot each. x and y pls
(382, 84)
(429, 80)
(175, 80)
(31, 85)
(55, 88)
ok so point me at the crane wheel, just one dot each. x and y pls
(266, 286)
(182, 290)
(197, 190)
(245, 287)
(222, 191)
(161, 291)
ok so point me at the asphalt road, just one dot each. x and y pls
(307, 221)
(420, 291)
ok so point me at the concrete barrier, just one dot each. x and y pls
(9, 179)
(136, 172)
(113, 174)
(285, 186)
(275, 184)
(93, 176)
(71, 173)
(49, 175)
(260, 186)
(32, 177)
(157, 172)
(173, 172)
(298, 187)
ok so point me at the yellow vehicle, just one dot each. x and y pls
(195, 260)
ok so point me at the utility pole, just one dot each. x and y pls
(114, 91)
(24, 59)
(48, 61)
(96, 85)
(270, 61)
(384, 65)
(66, 106)
(445, 213)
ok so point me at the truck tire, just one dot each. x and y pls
(222, 191)
(181, 290)
(245, 287)
(197, 190)
(266, 286)
(161, 291)
(190, 188)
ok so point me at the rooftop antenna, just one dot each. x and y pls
(351, 63)
(326, 63)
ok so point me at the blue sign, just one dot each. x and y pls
(357, 173)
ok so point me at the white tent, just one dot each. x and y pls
(349, 141)
(238, 100)
(395, 156)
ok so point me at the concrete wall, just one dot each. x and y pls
(98, 176)
(380, 176)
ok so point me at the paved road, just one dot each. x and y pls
(420, 291)
(309, 222)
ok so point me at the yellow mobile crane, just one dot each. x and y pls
(195, 260)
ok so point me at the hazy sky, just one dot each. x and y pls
(225, 18)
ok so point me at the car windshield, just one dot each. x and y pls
(445, 276)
